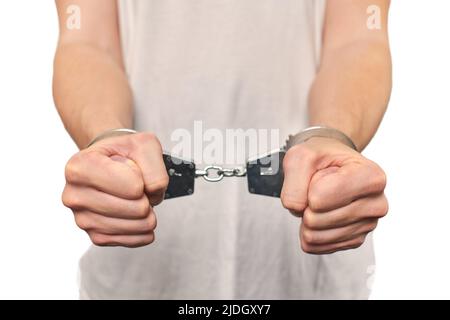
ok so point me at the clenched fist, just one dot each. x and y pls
(112, 187)
(338, 192)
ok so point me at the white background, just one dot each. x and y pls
(40, 244)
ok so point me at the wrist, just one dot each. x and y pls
(327, 145)
(115, 132)
(319, 133)
(95, 121)
(95, 126)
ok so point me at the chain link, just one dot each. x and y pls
(217, 173)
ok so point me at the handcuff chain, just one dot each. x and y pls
(220, 173)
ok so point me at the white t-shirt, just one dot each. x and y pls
(230, 64)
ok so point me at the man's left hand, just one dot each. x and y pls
(338, 192)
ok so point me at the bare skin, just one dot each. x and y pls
(112, 188)
(340, 193)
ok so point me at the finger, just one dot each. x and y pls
(375, 206)
(93, 222)
(329, 236)
(298, 167)
(85, 198)
(334, 189)
(353, 243)
(149, 159)
(97, 170)
(130, 241)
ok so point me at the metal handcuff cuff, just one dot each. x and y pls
(264, 173)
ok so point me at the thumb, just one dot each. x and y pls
(126, 161)
(298, 166)
(130, 163)
(148, 157)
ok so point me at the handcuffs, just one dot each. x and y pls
(264, 173)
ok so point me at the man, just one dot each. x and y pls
(160, 65)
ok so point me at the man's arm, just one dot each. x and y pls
(111, 186)
(352, 88)
(338, 192)
(90, 88)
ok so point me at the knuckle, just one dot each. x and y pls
(292, 204)
(152, 222)
(316, 199)
(149, 224)
(359, 242)
(158, 186)
(373, 225)
(307, 248)
(150, 238)
(141, 242)
(379, 209)
(309, 236)
(70, 199)
(378, 178)
(99, 239)
(72, 169)
(135, 187)
(309, 220)
(83, 222)
(384, 208)
(136, 190)
(143, 208)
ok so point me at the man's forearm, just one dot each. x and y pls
(91, 91)
(352, 90)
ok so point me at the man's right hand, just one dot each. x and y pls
(112, 187)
